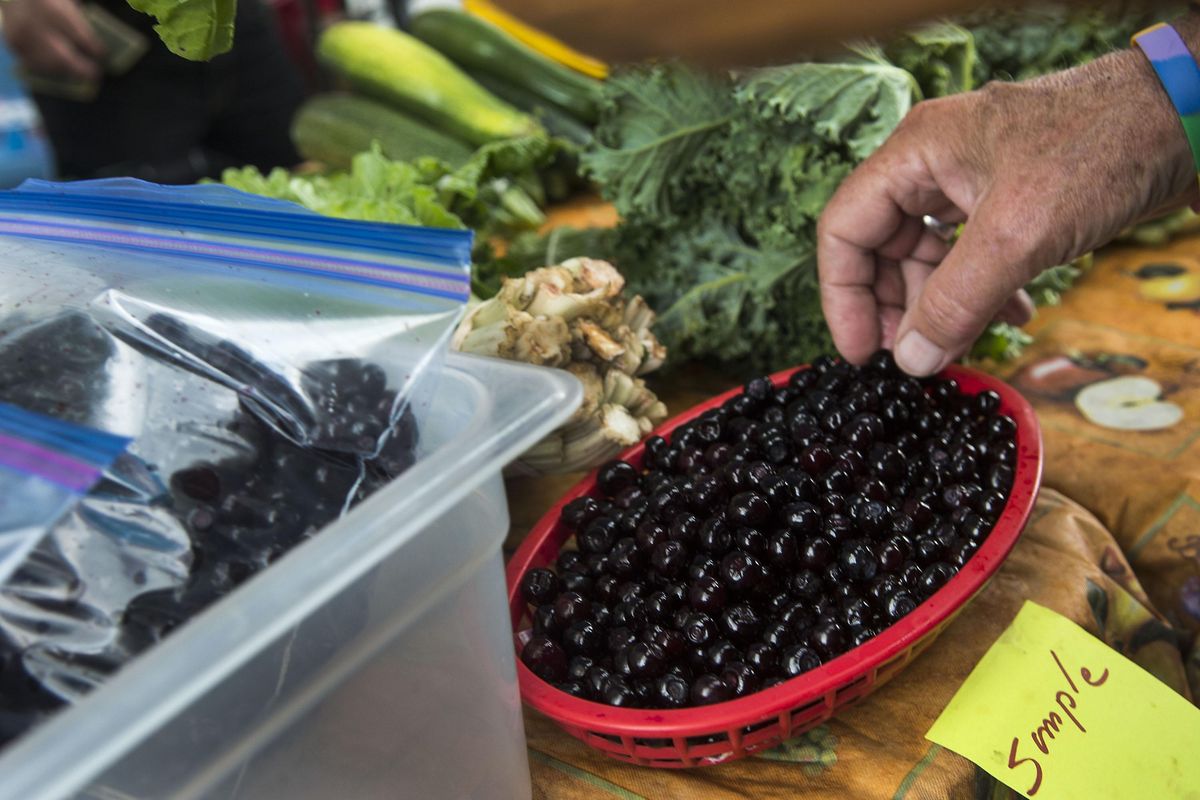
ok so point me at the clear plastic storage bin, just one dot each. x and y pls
(373, 661)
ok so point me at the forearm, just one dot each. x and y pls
(1135, 121)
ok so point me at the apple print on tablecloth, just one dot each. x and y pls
(1128, 403)
(1058, 376)
(1105, 388)
(1135, 393)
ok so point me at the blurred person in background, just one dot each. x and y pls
(166, 119)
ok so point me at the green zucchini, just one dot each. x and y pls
(557, 121)
(403, 72)
(333, 128)
(478, 45)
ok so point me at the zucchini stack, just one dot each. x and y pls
(456, 82)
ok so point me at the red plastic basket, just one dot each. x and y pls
(712, 734)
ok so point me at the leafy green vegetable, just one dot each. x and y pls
(720, 183)
(1038, 39)
(851, 105)
(194, 29)
(940, 57)
(495, 192)
(657, 125)
(747, 305)
(1046, 289)
(999, 343)
(375, 189)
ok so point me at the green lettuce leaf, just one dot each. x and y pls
(376, 189)
(194, 29)
(487, 194)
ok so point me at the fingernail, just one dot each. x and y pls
(916, 355)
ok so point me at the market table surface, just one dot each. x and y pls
(1114, 544)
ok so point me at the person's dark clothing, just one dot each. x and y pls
(170, 120)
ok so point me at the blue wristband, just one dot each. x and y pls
(1180, 77)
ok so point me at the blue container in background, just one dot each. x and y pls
(25, 151)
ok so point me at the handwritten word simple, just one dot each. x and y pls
(1075, 734)
(1054, 722)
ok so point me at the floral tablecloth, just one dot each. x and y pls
(1114, 544)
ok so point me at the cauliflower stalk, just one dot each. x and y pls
(574, 316)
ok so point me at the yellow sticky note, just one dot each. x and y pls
(1054, 713)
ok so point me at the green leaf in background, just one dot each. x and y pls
(194, 29)
(856, 105)
(941, 57)
(487, 194)
(1037, 39)
(742, 304)
(375, 189)
(657, 124)
(720, 184)
(1046, 289)
(999, 343)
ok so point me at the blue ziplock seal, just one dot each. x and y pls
(224, 210)
(69, 455)
(432, 261)
(214, 194)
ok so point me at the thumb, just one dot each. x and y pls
(991, 261)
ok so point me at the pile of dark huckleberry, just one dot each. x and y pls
(769, 536)
(240, 513)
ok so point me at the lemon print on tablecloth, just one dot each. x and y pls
(1176, 285)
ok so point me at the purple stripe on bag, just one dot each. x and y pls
(54, 467)
(443, 283)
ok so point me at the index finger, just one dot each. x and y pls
(882, 201)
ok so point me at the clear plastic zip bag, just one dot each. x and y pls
(268, 364)
(46, 465)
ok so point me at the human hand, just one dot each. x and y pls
(1041, 172)
(52, 37)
